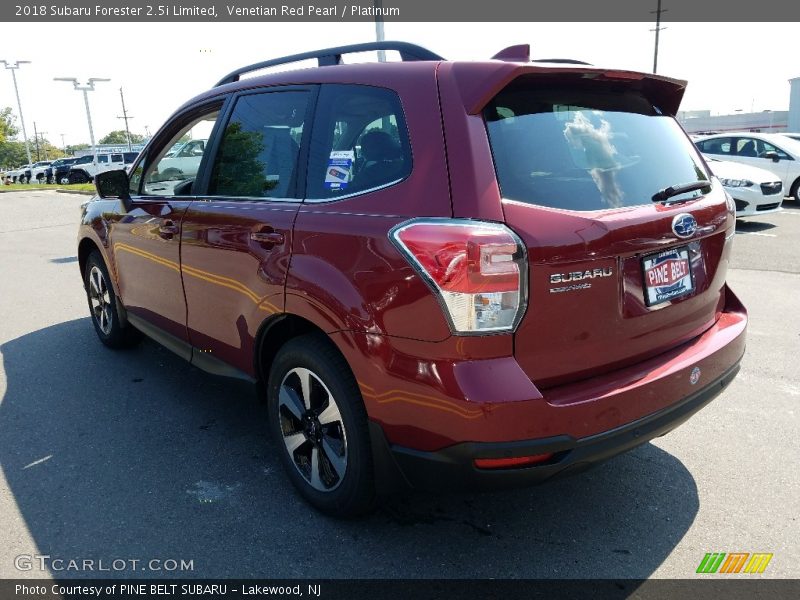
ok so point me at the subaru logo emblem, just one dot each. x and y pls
(684, 225)
(694, 377)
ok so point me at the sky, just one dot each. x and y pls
(160, 66)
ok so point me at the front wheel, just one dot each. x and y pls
(103, 306)
(319, 424)
(795, 193)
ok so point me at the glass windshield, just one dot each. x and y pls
(588, 147)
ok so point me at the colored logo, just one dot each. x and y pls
(684, 225)
(695, 376)
(734, 562)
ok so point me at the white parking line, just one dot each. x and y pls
(756, 233)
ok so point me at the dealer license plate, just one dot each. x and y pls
(667, 276)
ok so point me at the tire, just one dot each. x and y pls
(795, 193)
(104, 306)
(319, 425)
(77, 178)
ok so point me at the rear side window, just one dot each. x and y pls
(586, 147)
(716, 146)
(359, 142)
(260, 148)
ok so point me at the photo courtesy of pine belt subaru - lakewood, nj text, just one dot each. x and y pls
(458, 275)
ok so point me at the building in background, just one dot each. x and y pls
(767, 121)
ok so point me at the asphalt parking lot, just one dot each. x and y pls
(138, 456)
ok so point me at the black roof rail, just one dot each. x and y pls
(333, 56)
(565, 61)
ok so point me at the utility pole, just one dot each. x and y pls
(89, 87)
(44, 145)
(63, 143)
(36, 139)
(126, 117)
(658, 29)
(13, 67)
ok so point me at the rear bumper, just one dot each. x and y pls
(453, 468)
(430, 441)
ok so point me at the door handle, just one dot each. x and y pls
(267, 237)
(167, 229)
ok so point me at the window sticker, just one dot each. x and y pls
(339, 171)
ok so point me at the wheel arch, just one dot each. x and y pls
(794, 190)
(277, 331)
(86, 246)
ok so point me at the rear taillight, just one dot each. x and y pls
(477, 269)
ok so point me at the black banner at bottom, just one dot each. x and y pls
(420, 589)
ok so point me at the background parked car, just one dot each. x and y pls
(755, 191)
(182, 162)
(60, 169)
(39, 171)
(12, 175)
(86, 167)
(774, 152)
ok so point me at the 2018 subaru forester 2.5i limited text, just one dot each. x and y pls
(443, 274)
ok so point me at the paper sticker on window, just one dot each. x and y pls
(339, 170)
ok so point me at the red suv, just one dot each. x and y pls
(442, 274)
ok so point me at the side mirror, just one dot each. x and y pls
(114, 184)
(772, 155)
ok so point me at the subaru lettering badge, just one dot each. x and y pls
(695, 376)
(684, 225)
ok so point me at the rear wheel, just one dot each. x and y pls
(77, 178)
(319, 425)
(103, 306)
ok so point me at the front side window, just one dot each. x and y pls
(586, 146)
(360, 142)
(260, 147)
(165, 174)
(763, 147)
(102, 159)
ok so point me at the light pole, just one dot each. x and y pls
(379, 35)
(89, 87)
(13, 67)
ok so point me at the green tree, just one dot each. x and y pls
(119, 137)
(7, 127)
(12, 154)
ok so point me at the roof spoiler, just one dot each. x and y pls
(478, 83)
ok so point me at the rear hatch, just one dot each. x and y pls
(616, 276)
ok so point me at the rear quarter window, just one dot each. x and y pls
(359, 142)
(585, 147)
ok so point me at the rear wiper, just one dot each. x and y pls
(675, 190)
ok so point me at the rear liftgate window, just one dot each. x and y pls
(586, 147)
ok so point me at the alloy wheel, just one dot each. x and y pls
(313, 430)
(100, 300)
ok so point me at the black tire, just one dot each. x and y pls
(104, 306)
(77, 178)
(795, 193)
(332, 424)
